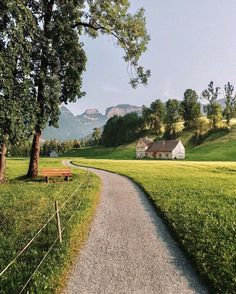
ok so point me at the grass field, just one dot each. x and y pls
(217, 147)
(99, 152)
(198, 201)
(24, 207)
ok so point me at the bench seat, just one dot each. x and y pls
(56, 172)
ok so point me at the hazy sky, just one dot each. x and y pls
(192, 43)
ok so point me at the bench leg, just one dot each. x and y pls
(66, 178)
(47, 179)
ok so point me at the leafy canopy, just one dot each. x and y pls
(16, 86)
(191, 108)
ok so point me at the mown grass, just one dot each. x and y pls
(198, 201)
(24, 207)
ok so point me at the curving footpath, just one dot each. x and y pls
(129, 249)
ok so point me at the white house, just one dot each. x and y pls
(53, 154)
(170, 149)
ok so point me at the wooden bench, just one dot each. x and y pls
(56, 172)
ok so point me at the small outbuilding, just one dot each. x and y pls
(169, 149)
(142, 146)
(53, 154)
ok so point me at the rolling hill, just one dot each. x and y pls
(219, 146)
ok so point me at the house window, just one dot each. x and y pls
(160, 155)
(167, 155)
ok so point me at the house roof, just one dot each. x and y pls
(163, 146)
(146, 141)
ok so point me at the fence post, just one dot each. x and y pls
(58, 221)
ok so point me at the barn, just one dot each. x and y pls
(142, 146)
(169, 149)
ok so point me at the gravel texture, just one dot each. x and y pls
(129, 249)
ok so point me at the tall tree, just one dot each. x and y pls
(147, 117)
(157, 116)
(172, 117)
(96, 136)
(16, 89)
(154, 115)
(191, 108)
(59, 58)
(213, 108)
(120, 130)
(230, 103)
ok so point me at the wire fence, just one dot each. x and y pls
(82, 187)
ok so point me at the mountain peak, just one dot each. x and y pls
(80, 126)
(92, 111)
(122, 109)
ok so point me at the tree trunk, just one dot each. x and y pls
(35, 150)
(34, 156)
(3, 162)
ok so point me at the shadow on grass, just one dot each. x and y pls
(27, 179)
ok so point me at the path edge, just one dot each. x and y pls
(201, 277)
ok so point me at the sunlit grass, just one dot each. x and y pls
(24, 207)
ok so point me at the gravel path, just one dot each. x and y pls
(129, 249)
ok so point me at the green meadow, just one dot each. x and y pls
(24, 207)
(198, 202)
(219, 146)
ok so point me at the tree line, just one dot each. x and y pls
(42, 61)
(163, 119)
(23, 149)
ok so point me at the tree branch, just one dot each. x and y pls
(87, 25)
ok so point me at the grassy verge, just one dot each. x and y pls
(198, 200)
(24, 207)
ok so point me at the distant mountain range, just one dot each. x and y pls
(80, 126)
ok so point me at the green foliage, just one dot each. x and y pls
(198, 202)
(96, 136)
(230, 103)
(58, 59)
(154, 115)
(16, 86)
(213, 108)
(34, 203)
(121, 130)
(60, 147)
(42, 58)
(113, 18)
(190, 108)
(172, 117)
